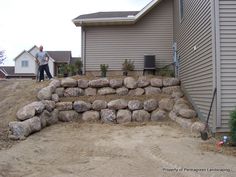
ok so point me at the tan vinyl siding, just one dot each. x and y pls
(196, 66)
(228, 59)
(152, 35)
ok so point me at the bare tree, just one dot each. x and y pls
(2, 56)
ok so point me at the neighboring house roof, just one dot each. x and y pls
(60, 56)
(24, 51)
(7, 70)
(115, 18)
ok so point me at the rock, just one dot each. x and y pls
(60, 91)
(118, 104)
(99, 105)
(116, 83)
(91, 116)
(197, 127)
(81, 106)
(69, 82)
(152, 90)
(170, 82)
(140, 116)
(170, 90)
(55, 83)
(90, 92)
(130, 83)
(177, 95)
(181, 101)
(73, 92)
(135, 105)
(54, 117)
(64, 106)
(137, 92)
(45, 93)
(185, 123)
(55, 98)
(106, 91)
(108, 116)
(68, 116)
(99, 83)
(158, 115)
(20, 130)
(83, 83)
(150, 105)
(178, 107)
(173, 116)
(38, 106)
(44, 118)
(143, 82)
(156, 82)
(166, 104)
(122, 91)
(49, 105)
(123, 116)
(187, 113)
(26, 112)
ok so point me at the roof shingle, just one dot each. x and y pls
(60, 56)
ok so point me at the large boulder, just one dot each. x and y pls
(64, 106)
(106, 91)
(187, 113)
(122, 91)
(150, 105)
(167, 82)
(140, 116)
(20, 130)
(73, 92)
(135, 105)
(99, 105)
(178, 107)
(49, 105)
(45, 93)
(181, 101)
(198, 127)
(69, 82)
(26, 112)
(156, 82)
(55, 98)
(143, 81)
(158, 115)
(55, 83)
(185, 123)
(152, 90)
(54, 117)
(91, 116)
(81, 106)
(38, 106)
(177, 95)
(90, 91)
(137, 92)
(116, 83)
(166, 104)
(60, 91)
(118, 104)
(99, 83)
(108, 116)
(68, 116)
(123, 116)
(130, 83)
(173, 116)
(170, 90)
(44, 118)
(83, 83)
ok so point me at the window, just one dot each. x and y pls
(24, 63)
(181, 10)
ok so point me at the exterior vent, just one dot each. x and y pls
(149, 63)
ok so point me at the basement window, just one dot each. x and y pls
(181, 10)
(24, 63)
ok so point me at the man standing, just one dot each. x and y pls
(42, 59)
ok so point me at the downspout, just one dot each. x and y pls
(83, 48)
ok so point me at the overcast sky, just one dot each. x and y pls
(25, 23)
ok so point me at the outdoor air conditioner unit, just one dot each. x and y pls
(149, 63)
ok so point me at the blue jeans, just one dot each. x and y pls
(45, 68)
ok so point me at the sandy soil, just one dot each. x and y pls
(86, 150)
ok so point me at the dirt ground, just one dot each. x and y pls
(86, 150)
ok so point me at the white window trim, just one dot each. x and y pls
(24, 63)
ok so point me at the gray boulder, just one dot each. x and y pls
(135, 105)
(170, 82)
(173, 116)
(44, 118)
(118, 104)
(90, 92)
(55, 83)
(187, 113)
(55, 97)
(108, 116)
(123, 116)
(54, 117)
(83, 83)
(152, 90)
(140, 116)
(99, 83)
(26, 112)
(69, 82)
(106, 91)
(91, 116)
(45, 93)
(60, 91)
(49, 105)
(38, 106)
(73, 92)
(170, 90)
(116, 83)
(68, 116)
(122, 91)
(81, 106)
(130, 83)
(64, 106)
(137, 92)
(181, 101)
(197, 127)
(156, 82)
(99, 105)
(150, 105)
(177, 95)
(143, 82)
(178, 107)
(158, 115)
(166, 104)
(185, 123)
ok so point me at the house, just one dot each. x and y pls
(200, 34)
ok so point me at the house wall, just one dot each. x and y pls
(196, 66)
(34, 51)
(31, 67)
(152, 35)
(227, 32)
